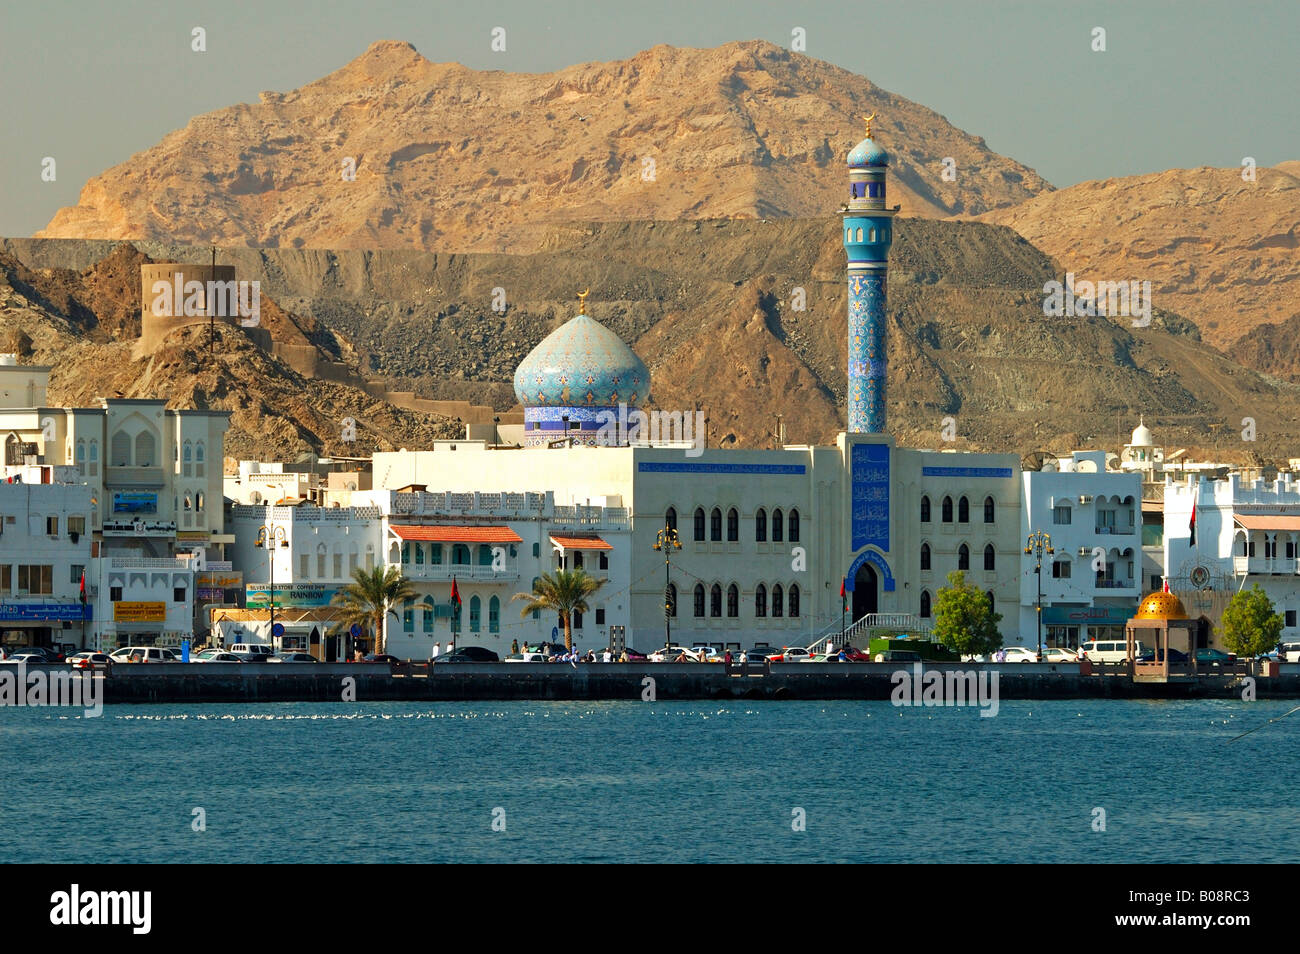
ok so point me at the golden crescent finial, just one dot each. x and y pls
(869, 119)
(582, 301)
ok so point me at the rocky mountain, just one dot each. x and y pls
(713, 307)
(458, 159)
(1219, 250)
(83, 325)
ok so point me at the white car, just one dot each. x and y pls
(525, 656)
(252, 652)
(28, 658)
(1060, 654)
(1289, 652)
(293, 656)
(673, 653)
(148, 654)
(215, 656)
(1017, 654)
(88, 658)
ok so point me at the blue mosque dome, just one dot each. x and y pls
(582, 364)
(867, 153)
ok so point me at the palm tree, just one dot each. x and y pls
(561, 592)
(371, 596)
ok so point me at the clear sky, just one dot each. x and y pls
(1192, 83)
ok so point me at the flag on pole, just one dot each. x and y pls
(83, 588)
(1192, 525)
(1165, 588)
(844, 602)
(455, 598)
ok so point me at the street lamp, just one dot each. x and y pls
(269, 536)
(666, 540)
(1038, 544)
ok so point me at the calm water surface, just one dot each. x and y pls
(631, 781)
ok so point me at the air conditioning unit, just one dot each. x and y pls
(1085, 499)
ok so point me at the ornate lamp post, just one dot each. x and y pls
(269, 536)
(666, 540)
(1038, 544)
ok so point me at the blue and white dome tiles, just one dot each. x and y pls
(582, 364)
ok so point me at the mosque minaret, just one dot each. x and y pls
(868, 233)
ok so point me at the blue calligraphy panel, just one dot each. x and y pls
(870, 482)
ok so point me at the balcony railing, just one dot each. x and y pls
(152, 563)
(1115, 584)
(1265, 566)
(443, 572)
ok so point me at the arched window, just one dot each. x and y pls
(189, 502)
(475, 614)
(484, 555)
(494, 615)
(963, 510)
(81, 457)
(989, 510)
(120, 450)
(925, 604)
(145, 450)
(715, 601)
(792, 525)
(426, 614)
(760, 526)
(460, 554)
(699, 524)
(579, 562)
(406, 553)
(733, 526)
(760, 601)
(988, 595)
(187, 457)
(419, 554)
(777, 600)
(947, 510)
(699, 599)
(925, 509)
(990, 557)
(963, 557)
(672, 600)
(537, 614)
(925, 556)
(715, 526)
(322, 552)
(408, 616)
(670, 520)
(94, 458)
(792, 599)
(733, 601)
(199, 458)
(778, 525)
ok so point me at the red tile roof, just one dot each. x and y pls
(580, 542)
(1250, 521)
(458, 534)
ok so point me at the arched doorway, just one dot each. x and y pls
(866, 589)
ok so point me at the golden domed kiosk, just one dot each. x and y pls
(1161, 624)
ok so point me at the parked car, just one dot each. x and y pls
(1060, 654)
(674, 654)
(31, 659)
(88, 658)
(477, 654)
(216, 655)
(850, 655)
(47, 655)
(391, 660)
(143, 654)
(1214, 657)
(1157, 655)
(526, 656)
(252, 652)
(292, 657)
(1109, 650)
(790, 654)
(1289, 652)
(898, 655)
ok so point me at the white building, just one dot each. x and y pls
(1092, 581)
(1247, 533)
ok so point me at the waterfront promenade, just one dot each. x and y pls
(362, 682)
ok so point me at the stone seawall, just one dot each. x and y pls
(218, 682)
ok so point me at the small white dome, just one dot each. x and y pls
(1141, 435)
